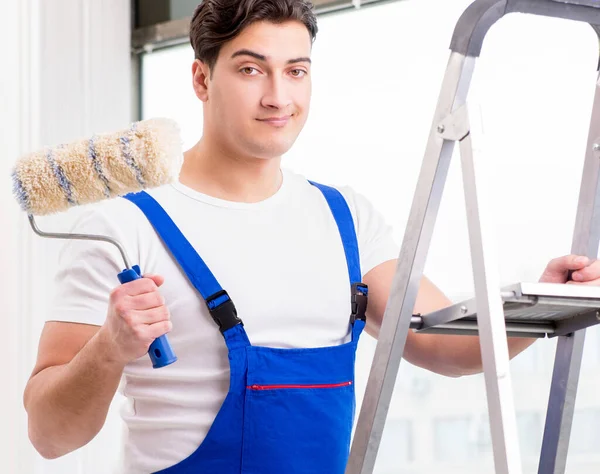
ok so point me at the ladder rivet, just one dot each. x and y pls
(463, 309)
(441, 128)
(598, 315)
(596, 147)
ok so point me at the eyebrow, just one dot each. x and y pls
(262, 57)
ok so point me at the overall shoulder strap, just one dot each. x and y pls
(219, 304)
(345, 222)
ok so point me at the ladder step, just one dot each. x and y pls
(530, 310)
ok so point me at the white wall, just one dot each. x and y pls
(66, 73)
(15, 134)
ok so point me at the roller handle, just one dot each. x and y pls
(160, 351)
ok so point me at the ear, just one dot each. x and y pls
(200, 78)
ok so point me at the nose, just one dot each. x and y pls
(277, 94)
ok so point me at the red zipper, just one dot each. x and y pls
(275, 387)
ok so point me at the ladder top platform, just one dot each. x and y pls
(530, 310)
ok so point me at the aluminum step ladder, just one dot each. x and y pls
(527, 310)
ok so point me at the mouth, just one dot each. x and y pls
(276, 121)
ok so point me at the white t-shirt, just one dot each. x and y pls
(282, 262)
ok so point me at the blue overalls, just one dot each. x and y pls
(288, 411)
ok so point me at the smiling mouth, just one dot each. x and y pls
(276, 121)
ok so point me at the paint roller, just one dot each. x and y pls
(145, 155)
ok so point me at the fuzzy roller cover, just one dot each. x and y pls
(146, 155)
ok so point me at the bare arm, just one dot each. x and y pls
(79, 367)
(448, 355)
(71, 388)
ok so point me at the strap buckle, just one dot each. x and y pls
(359, 302)
(223, 310)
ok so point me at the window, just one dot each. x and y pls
(397, 447)
(530, 428)
(452, 440)
(585, 436)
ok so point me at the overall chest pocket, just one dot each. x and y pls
(300, 423)
(303, 428)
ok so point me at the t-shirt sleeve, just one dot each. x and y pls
(87, 271)
(376, 243)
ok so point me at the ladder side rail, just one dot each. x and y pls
(490, 313)
(569, 348)
(411, 262)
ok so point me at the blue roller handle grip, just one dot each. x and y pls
(160, 351)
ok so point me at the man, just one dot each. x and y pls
(271, 395)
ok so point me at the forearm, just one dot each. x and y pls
(449, 355)
(458, 355)
(67, 404)
(455, 356)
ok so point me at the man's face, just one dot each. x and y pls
(258, 97)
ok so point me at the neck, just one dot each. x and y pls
(210, 170)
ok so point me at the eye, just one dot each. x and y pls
(298, 72)
(249, 71)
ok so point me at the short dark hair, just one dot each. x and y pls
(217, 21)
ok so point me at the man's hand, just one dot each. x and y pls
(453, 355)
(136, 316)
(79, 367)
(572, 269)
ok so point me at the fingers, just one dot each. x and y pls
(587, 274)
(134, 288)
(557, 269)
(137, 315)
(567, 262)
(158, 329)
(147, 284)
(157, 279)
(147, 301)
(150, 316)
(140, 302)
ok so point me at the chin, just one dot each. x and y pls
(271, 150)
